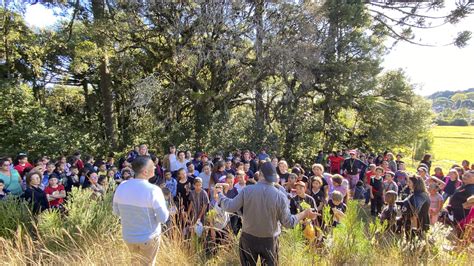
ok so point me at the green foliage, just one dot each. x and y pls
(14, 213)
(348, 242)
(189, 74)
(295, 248)
(441, 122)
(453, 108)
(53, 129)
(423, 145)
(459, 122)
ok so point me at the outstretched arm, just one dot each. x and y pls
(231, 205)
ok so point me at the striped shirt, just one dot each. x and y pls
(142, 209)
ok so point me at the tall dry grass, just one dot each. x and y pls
(90, 235)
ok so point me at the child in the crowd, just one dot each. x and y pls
(230, 191)
(22, 163)
(60, 171)
(436, 203)
(228, 167)
(170, 183)
(389, 213)
(218, 219)
(170, 205)
(247, 169)
(192, 173)
(337, 207)
(452, 182)
(97, 188)
(376, 192)
(240, 178)
(110, 175)
(300, 197)
(73, 180)
(317, 193)
(3, 191)
(389, 183)
(337, 181)
(205, 176)
(104, 182)
(401, 176)
(290, 184)
(55, 193)
(199, 202)
(102, 169)
(359, 191)
(50, 167)
(127, 174)
(370, 172)
(439, 173)
(368, 176)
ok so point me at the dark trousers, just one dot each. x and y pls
(235, 223)
(367, 196)
(251, 247)
(376, 204)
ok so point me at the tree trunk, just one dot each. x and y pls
(105, 80)
(87, 101)
(259, 104)
(6, 28)
(105, 86)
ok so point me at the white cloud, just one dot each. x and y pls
(436, 68)
(40, 16)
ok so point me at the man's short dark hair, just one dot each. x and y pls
(139, 164)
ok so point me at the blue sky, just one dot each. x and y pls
(431, 69)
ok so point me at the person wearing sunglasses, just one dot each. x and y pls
(11, 177)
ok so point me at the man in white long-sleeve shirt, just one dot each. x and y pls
(142, 209)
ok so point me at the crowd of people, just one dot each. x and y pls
(190, 184)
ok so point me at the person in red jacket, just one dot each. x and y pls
(22, 163)
(55, 193)
(335, 161)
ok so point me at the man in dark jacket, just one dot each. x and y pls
(352, 167)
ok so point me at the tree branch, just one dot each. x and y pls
(71, 23)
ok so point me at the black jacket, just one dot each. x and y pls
(459, 197)
(36, 198)
(418, 205)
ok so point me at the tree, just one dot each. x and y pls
(105, 80)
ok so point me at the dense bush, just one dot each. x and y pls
(459, 122)
(441, 122)
(14, 213)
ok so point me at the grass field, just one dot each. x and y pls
(452, 145)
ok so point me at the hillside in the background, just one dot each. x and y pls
(454, 108)
(447, 94)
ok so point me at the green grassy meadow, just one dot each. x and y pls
(451, 145)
